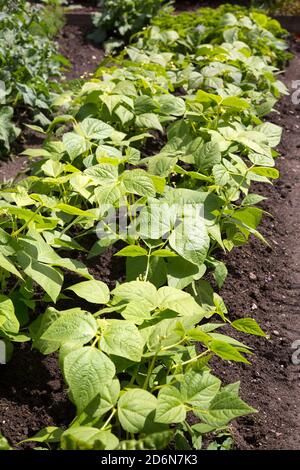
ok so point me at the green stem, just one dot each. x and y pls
(191, 360)
(150, 370)
(14, 234)
(148, 265)
(70, 225)
(109, 419)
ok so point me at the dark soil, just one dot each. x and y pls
(32, 395)
(263, 283)
(83, 54)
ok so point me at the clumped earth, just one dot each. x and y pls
(263, 282)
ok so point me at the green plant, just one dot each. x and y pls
(119, 19)
(28, 59)
(156, 155)
(133, 369)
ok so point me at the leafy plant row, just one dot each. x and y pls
(152, 160)
(117, 20)
(28, 59)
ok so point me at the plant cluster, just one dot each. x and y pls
(154, 158)
(28, 59)
(117, 20)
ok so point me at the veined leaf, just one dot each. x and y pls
(134, 408)
(122, 338)
(93, 291)
(86, 371)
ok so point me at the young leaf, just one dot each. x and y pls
(122, 338)
(8, 320)
(170, 406)
(227, 351)
(248, 325)
(50, 279)
(223, 408)
(148, 121)
(58, 328)
(86, 371)
(138, 182)
(93, 291)
(132, 251)
(199, 389)
(88, 438)
(134, 408)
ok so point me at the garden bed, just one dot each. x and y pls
(31, 388)
(262, 283)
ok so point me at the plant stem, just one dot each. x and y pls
(191, 360)
(109, 419)
(151, 367)
(26, 223)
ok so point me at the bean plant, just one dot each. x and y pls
(154, 159)
(28, 59)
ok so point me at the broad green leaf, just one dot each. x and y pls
(134, 408)
(6, 264)
(124, 114)
(108, 194)
(75, 144)
(252, 199)
(8, 320)
(223, 408)
(94, 129)
(177, 300)
(122, 338)
(73, 210)
(207, 156)
(221, 175)
(181, 272)
(170, 406)
(220, 273)
(48, 434)
(171, 105)
(272, 132)
(248, 325)
(137, 311)
(102, 174)
(88, 438)
(199, 389)
(148, 121)
(154, 441)
(50, 279)
(235, 102)
(250, 216)
(162, 334)
(226, 351)
(191, 241)
(163, 253)
(67, 326)
(93, 291)
(132, 251)
(138, 182)
(86, 371)
(52, 168)
(4, 445)
(136, 290)
(266, 171)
